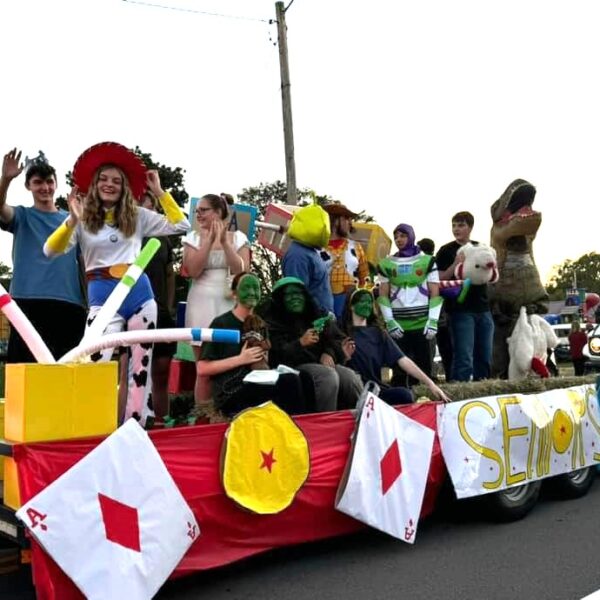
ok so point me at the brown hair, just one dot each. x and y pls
(236, 279)
(464, 216)
(125, 209)
(220, 203)
(352, 297)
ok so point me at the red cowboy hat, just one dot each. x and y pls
(110, 153)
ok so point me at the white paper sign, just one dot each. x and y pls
(115, 523)
(384, 483)
(493, 443)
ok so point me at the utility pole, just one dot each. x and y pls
(286, 104)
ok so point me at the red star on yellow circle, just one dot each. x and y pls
(268, 460)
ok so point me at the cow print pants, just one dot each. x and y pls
(139, 394)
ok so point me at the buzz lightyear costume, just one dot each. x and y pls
(411, 315)
(409, 307)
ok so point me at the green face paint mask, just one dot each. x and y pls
(363, 306)
(293, 299)
(248, 291)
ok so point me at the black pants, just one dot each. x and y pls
(286, 393)
(444, 344)
(60, 324)
(416, 346)
(579, 365)
(396, 395)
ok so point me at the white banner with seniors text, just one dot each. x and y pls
(493, 443)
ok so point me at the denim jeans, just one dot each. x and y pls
(472, 336)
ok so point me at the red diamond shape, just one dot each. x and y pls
(120, 522)
(390, 467)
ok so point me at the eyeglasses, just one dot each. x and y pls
(204, 209)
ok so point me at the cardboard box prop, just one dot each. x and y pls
(277, 214)
(182, 376)
(243, 217)
(12, 497)
(376, 243)
(373, 239)
(1, 435)
(54, 402)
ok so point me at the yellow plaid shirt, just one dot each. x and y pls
(347, 263)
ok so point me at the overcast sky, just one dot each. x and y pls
(409, 110)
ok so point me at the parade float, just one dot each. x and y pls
(110, 511)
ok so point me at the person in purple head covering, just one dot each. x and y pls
(409, 300)
(404, 236)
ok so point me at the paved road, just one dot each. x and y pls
(551, 555)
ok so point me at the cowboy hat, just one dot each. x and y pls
(336, 209)
(110, 153)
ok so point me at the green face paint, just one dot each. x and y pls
(363, 305)
(248, 291)
(293, 299)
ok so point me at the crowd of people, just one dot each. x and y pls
(332, 322)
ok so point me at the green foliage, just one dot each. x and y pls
(585, 270)
(171, 179)
(5, 270)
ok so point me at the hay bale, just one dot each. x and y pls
(497, 387)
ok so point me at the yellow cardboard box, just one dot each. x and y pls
(1, 435)
(374, 240)
(12, 497)
(57, 402)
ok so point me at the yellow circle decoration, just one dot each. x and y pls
(266, 459)
(562, 431)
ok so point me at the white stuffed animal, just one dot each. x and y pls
(478, 263)
(528, 346)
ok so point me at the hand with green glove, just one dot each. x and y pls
(394, 329)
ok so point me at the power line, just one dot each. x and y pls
(200, 12)
(291, 2)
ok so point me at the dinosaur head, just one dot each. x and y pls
(513, 212)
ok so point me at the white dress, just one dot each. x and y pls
(210, 294)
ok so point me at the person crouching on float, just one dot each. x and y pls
(228, 364)
(109, 228)
(373, 348)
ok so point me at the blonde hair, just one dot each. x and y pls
(125, 215)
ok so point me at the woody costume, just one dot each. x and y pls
(344, 258)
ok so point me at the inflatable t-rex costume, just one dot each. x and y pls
(513, 231)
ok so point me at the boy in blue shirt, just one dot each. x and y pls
(48, 291)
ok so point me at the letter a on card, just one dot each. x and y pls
(384, 481)
(115, 523)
